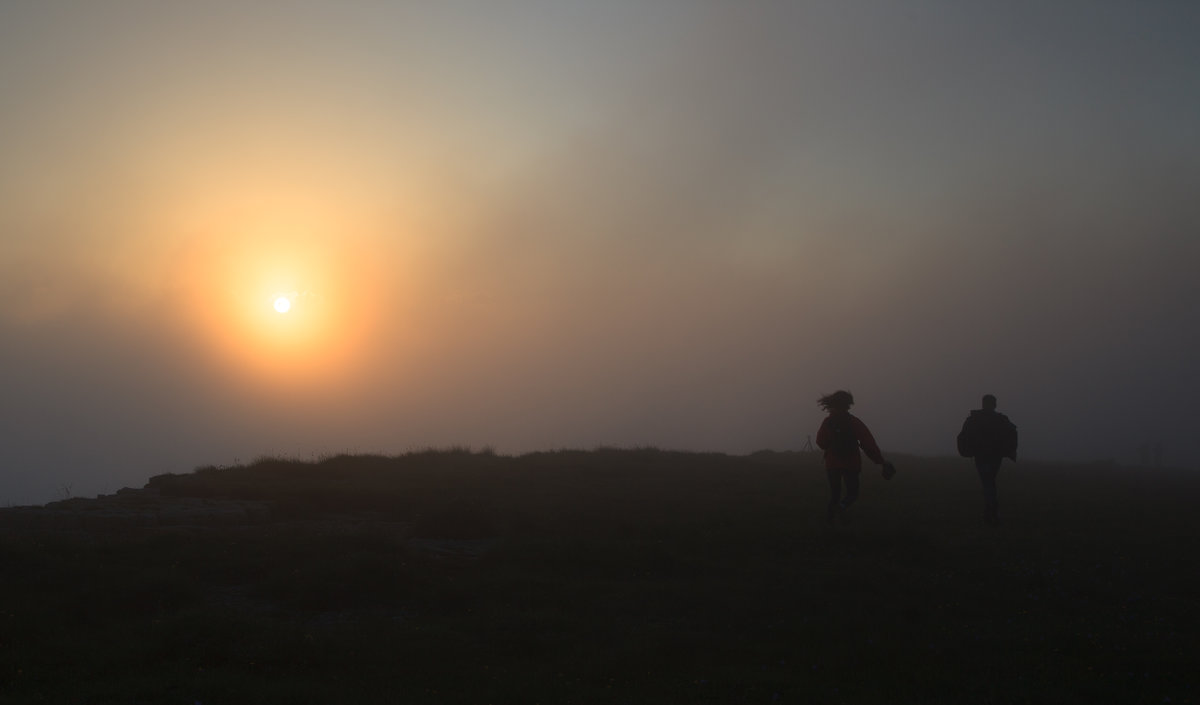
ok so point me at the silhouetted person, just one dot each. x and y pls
(840, 436)
(989, 437)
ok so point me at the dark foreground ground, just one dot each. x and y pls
(617, 577)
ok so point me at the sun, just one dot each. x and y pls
(285, 313)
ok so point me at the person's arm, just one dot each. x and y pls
(867, 442)
(823, 434)
(1013, 440)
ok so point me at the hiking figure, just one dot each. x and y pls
(988, 437)
(840, 436)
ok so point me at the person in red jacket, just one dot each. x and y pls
(841, 436)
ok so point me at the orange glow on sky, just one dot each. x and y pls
(333, 304)
(669, 224)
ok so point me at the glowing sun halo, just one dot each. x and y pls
(283, 304)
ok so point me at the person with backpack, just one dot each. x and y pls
(989, 437)
(841, 436)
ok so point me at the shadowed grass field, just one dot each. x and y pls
(626, 576)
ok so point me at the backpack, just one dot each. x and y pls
(843, 440)
(988, 435)
(965, 447)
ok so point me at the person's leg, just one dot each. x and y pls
(988, 469)
(995, 498)
(851, 488)
(835, 491)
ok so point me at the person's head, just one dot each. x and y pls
(841, 400)
(989, 402)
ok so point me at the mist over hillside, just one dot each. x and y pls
(621, 223)
(636, 576)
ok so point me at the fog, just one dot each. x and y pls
(572, 226)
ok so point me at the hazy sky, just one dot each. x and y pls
(540, 224)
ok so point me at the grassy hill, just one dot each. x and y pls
(632, 576)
